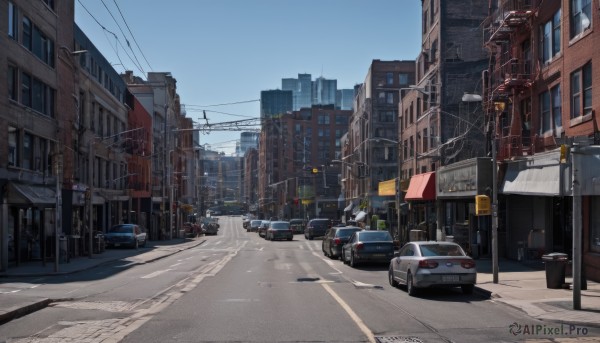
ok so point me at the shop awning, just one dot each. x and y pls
(537, 176)
(421, 187)
(349, 207)
(360, 216)
(21, 194)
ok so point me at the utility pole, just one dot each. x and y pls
(494, 204)
(577, 228)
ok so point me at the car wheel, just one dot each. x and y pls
(136, 244)
(290, 238)
(310, 238)
(393, 282)
(353, 263)
(343, 257)
(467, 289)
(410, 288)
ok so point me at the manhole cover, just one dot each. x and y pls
(398, 339)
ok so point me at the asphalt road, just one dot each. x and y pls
(238, 287)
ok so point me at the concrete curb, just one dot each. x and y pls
(23, 310)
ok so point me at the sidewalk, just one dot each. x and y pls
(524, 287)
(14, 304)
(520, 286)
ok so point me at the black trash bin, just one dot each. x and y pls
(556, 265)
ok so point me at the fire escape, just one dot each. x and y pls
(509, 74)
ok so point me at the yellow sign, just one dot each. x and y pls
(387, 187)
(482, 205)
(307, 201)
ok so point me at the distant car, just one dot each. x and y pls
(317, 228)
(279, 230)
(130, 235)
(210, 226)
(368, 246)
(432, 264)
(254, 225)
(335, 238)
(262, 229)
(297, 225)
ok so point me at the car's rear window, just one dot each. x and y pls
(441, 250)
(280, 226)
(255, 222)
(374, 236)
(346, 232)
(121, 229)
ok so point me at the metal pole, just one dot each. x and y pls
(577, 230)
(91, 189)
(57, 222)
(171, 212)
(494, 206)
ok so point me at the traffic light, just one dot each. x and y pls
(314, 170)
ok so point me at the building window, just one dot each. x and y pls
(556, 109)
(13, 139)
(12, 83)
(26, 89)
(12, 21)
(27, 151)
(581, 16)
(26, 33)
(389, 98)
(595, 225)
(341, 120)
(581, 91)
(387, 116)
(323, 119)
(49, 3)
(389, 78)
(551, 111)
(550, 38)
(403, 79)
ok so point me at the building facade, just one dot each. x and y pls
(540, 96)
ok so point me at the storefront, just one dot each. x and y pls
(536, 191)
(421, 204)
(587, 165)
(457, 186)
(29, 222)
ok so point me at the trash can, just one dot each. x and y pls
(556, 265)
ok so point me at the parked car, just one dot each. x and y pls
(335, 238)
(368, 246)
(130, 235)
(432, 264)
(297, 225)
(262, 229)
(317, 228)
(254, 225)
(279, 230)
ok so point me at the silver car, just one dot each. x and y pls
(429, 264)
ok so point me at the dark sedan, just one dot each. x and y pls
(279, 230)
(335, 238)
(368, 246)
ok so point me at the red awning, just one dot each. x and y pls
(422, 187)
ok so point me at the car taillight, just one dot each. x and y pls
(467, 264)
(358, 246)
(337, 241)
(428, 264)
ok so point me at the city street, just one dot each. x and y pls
(238, 287)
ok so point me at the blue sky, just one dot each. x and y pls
(228, 51)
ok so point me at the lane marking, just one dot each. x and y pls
(361, 325)
(155, 274)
